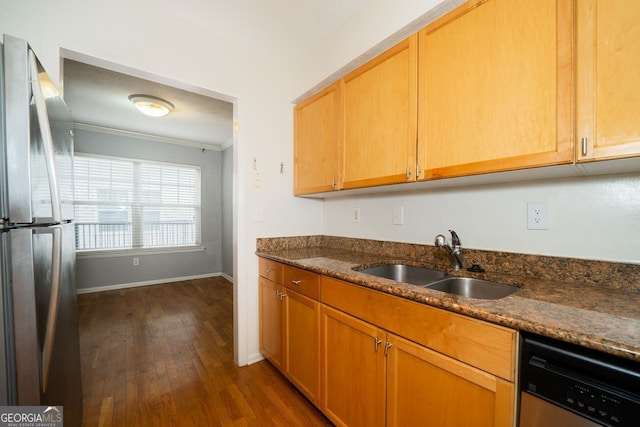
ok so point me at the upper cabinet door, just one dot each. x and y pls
(608, 52)
(496, 88)
(380, 100)
(318, 142)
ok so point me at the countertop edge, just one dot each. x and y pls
(472, 308)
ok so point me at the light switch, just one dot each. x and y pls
(398, 215)
(356, 215)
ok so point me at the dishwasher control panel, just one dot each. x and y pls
(597, 386)
(596, 403)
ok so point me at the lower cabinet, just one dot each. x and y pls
(376, 378)
(366, 358)
(290, 326)
(353, 370)
(302, 343)
(271, 322)
(426, 388)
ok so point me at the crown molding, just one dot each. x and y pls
(148, 137)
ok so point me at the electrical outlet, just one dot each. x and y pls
(356, 215)
(136, 261)
(537, 216)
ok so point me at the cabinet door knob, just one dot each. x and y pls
(296, 282)
(267, 271)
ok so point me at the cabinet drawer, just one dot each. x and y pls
(271, 270)
(472, 341)
(302, 281)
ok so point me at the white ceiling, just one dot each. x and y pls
(281, 28)
(100, 98)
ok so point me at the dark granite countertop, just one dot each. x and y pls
(605, 319)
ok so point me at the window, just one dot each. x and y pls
(130, 204)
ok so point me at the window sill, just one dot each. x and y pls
(138, 252)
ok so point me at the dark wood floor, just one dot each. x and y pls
(163, 356)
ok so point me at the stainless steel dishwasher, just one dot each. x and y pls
(566, 385)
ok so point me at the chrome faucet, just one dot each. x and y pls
(453, 249)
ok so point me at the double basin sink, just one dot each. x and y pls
(440, 281)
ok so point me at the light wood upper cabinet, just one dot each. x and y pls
(380, 118)
(318, 142)
(492, 86)
(496, 88)
(608, 79)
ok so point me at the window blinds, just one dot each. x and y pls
(130, 204)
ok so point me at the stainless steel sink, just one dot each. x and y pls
(472, 288)
(405, 273)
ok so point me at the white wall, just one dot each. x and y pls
(376, 27)
(262, 91)
(589, 217)
(143, 38)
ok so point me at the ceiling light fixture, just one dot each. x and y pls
(151, 105)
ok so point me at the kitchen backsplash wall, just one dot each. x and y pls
(595, 218)
(586, 272)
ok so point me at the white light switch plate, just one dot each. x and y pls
(398, 215)
(356, 215)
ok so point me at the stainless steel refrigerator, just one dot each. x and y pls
(39, 342)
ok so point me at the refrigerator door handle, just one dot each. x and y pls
(47, 138)
(52, 315)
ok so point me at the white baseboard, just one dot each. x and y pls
(150, 282)
(226, 276)
(254, 358)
